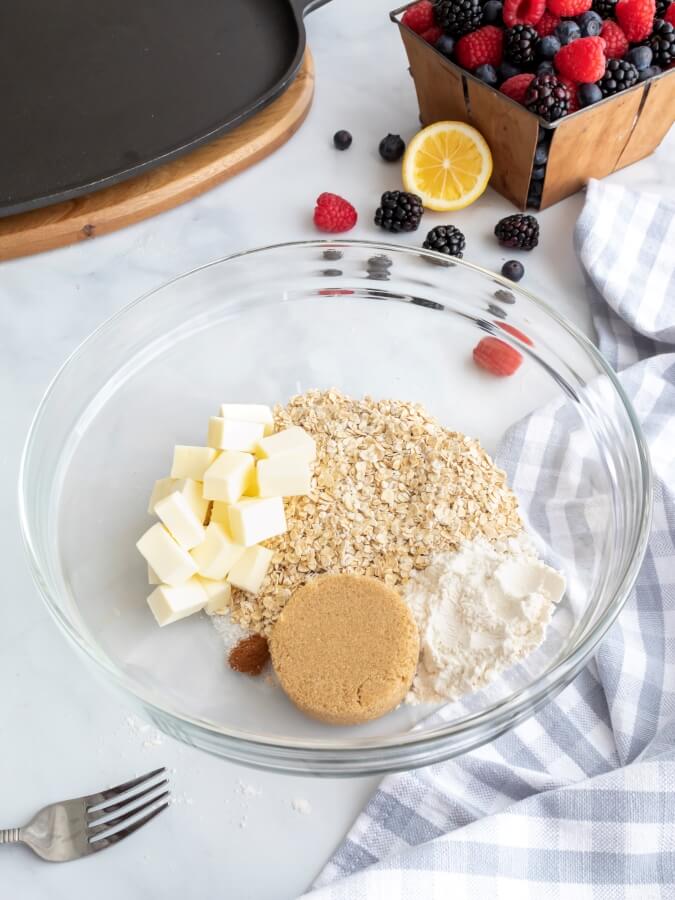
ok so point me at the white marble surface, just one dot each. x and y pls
(233, 833)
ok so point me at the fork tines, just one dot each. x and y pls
(103, 828)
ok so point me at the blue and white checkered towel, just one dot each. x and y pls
(579, 801)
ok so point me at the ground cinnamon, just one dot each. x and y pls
(250, 655)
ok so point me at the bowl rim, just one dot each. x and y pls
(264, 751)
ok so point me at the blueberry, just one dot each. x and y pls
(567, 31)
(538, 173)
(507, 70)
(641, 57)
(651, 72)
(445, 44)
(342, 140)
(588, 94)
(590, 24)
(392, 148)
(487, 73)
(541, 155)
(513, 270)
(543, 137)
(536, 188)
(545, 68)
(492, 13)
(533, 202)
(548, 46)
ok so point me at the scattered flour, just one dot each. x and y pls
(302, 806)
(479, 609)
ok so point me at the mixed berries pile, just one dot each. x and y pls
(553, 56)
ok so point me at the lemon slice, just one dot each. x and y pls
(448, 164)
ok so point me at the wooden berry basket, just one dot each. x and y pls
(590, 143)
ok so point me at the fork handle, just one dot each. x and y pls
(9, 836)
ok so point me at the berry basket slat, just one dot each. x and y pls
(591, 143)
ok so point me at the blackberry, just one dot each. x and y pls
(399, 211)
(604, 8)
(518, 231)
(445, 239)
(547, 97)
(458, 17)
(662, 43)
(520, 43)
(392, 148)
(661, 8)
(342, 140)
(619, 75)
(492, 13)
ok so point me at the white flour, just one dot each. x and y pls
(478, 610)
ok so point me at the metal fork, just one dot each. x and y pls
(75, 828)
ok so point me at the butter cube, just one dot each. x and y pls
(287, 475)
(228, 477)
(252, 520)
(178, 516)
(227, 434)
(290, 440)
(190, 489)
(153, 577)
(219, 594)
(172, 563)
(169, 604)
(192, 462)
(248, 573)
(249, 412)
(216, 555)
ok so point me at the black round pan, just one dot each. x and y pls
(96, 91)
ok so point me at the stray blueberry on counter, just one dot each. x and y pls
(641, 57)
(513, 270)
(342, 140)
(392, 148)
(588, 94)
(487, 73)
(445, 44)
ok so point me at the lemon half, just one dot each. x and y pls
(448, 164)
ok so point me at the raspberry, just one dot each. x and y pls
(636, 17)
(547, 24)
(515, 332)
(573, 103)
(516, 86)
(333, 213)
(583, 60)
(616, 44)
(568, 7)
(480, 47)
(522, 12)
(420, 17)
(670, 14)
(496, 356)
(431, 35)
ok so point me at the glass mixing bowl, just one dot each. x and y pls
(389, 321)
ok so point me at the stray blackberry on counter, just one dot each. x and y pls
(458, 17)
(619, 76)
(392, 147)
(342, 140)
(520, 44)
(547, 97)
(399, 211)
(662, 43)
(519, 231)
(445, 239)
(513, 270)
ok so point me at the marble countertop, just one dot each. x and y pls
(233, 833)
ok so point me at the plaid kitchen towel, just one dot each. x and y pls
(579, 800)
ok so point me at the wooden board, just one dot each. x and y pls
(167, 185)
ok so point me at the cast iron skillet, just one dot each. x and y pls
(95, 91)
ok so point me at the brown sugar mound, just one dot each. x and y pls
(345, 649)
